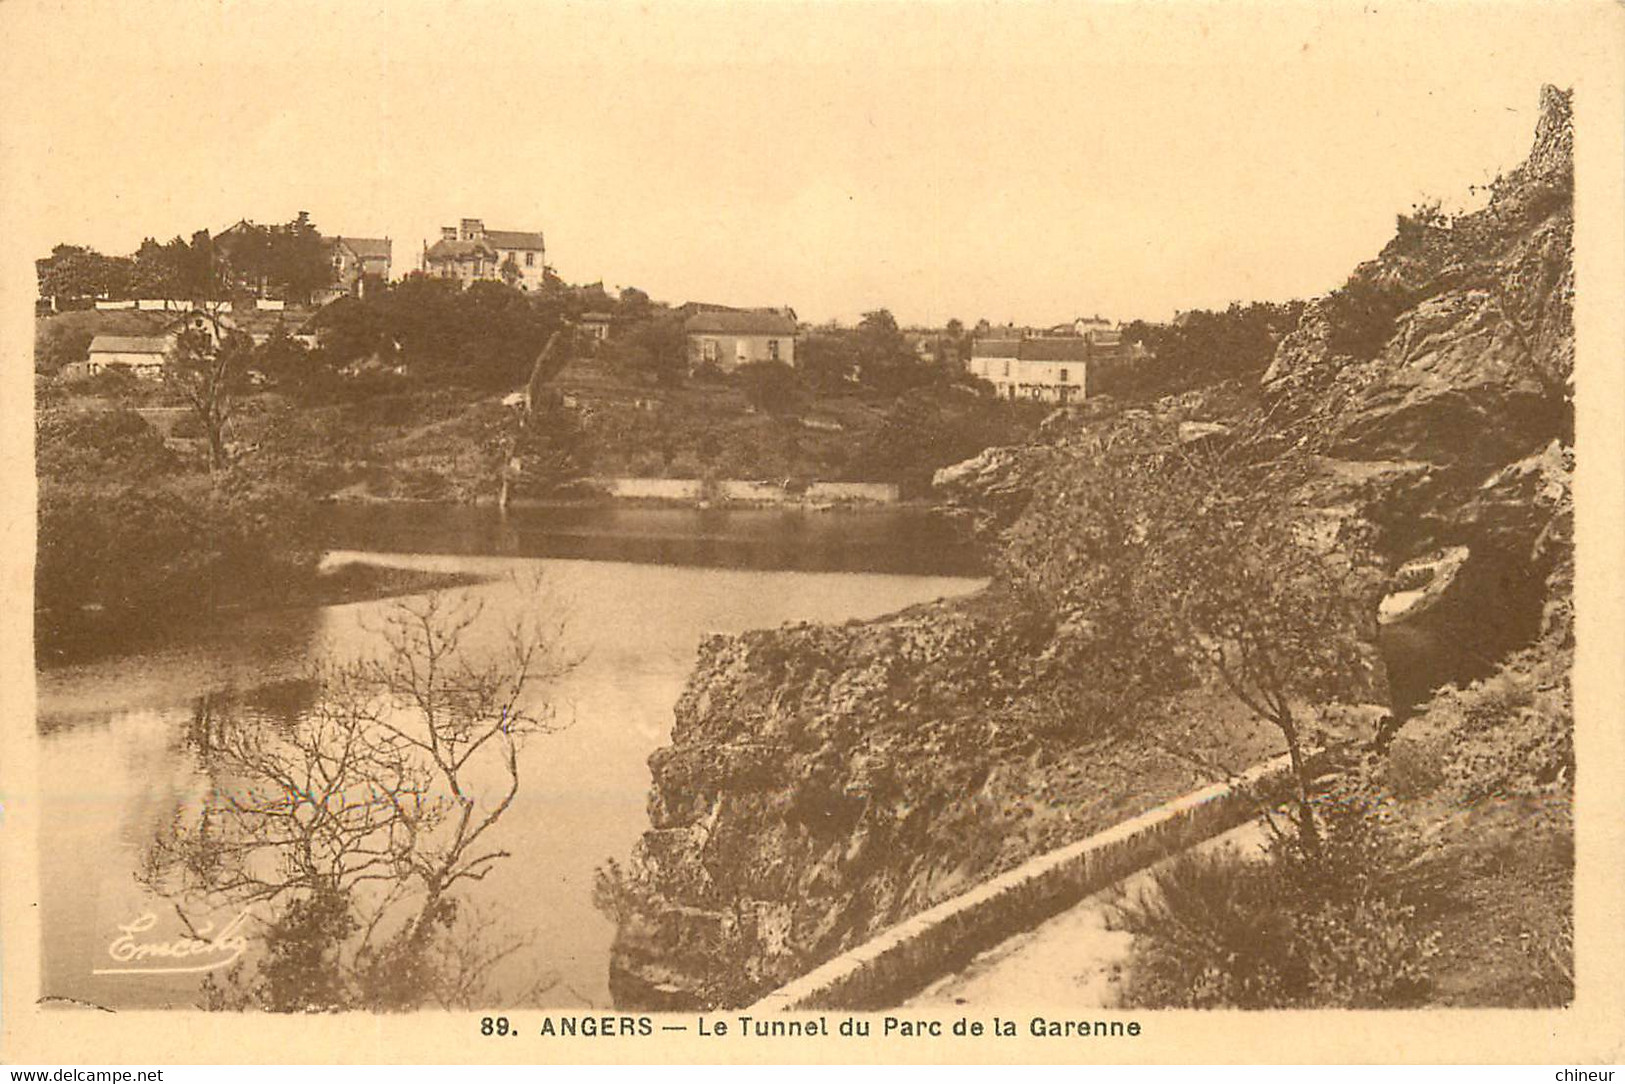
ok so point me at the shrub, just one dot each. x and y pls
(1510, 734)
(99, 446)
(770, 386)
(188, 427)
(1290, 931)
(150, 555)
(60, 342)
(1363, 312)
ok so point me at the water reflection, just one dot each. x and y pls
(901, 540)
(354, 822)
(134, 743)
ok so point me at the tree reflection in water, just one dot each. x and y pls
(356, 816)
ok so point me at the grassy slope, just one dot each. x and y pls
(445, 445)
(1486, 774)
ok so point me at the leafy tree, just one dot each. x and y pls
(155, 272)
(486, 336)
(633, 304)
(99, 445)
(589, 298)
(285, 360)
(129, 552)
(290, 258)
(1170, 560)
(664, 344)
(58, 342)
(828, 359)
(928, 428)
(298, 259)
(883, 357)
(73, 271)
(1204, 346)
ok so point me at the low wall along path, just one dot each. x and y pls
(889, 968)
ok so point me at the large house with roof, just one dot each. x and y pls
(358, 261)
(471, 253)
(726, 338)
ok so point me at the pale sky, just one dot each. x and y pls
(1027, 162)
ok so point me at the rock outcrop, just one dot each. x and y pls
(825, 783)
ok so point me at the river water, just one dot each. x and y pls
(637, 588)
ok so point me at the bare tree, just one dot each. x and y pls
(211, 371)
(358, 823)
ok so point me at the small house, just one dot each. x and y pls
(729, 338)
(140, 355)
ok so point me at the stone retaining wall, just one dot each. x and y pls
(693, 489)
(884, 970)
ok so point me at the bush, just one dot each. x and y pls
(770, 386)
(132, 557)
(1509, 735)
(99, 446)
(1219, 931)
(188, 427)
(61, 342)
(930, 428)
(1363, 313)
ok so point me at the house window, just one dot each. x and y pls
(773, 349)
(708, 350)
(530, 259)
(1007, 368)
(1063, 376)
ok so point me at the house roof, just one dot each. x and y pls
(596, 317)
(996, 348)
(366, 247)
(1040, 348)
(515, 239)
(1054, 350)
(755, 322)
(461, 250)
(129, 344)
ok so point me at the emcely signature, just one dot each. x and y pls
(203, 950)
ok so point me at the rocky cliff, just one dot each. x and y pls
(824, 783)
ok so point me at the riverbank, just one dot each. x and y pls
(96, 634)
(842, 497)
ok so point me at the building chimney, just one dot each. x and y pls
(448, 233)
(473, 229)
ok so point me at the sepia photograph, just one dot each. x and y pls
(822, 521)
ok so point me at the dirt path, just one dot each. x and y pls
(1073, 959)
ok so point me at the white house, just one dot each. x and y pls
(142, 355)
(471, 253)
(1053, 367)
(1050, 369)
